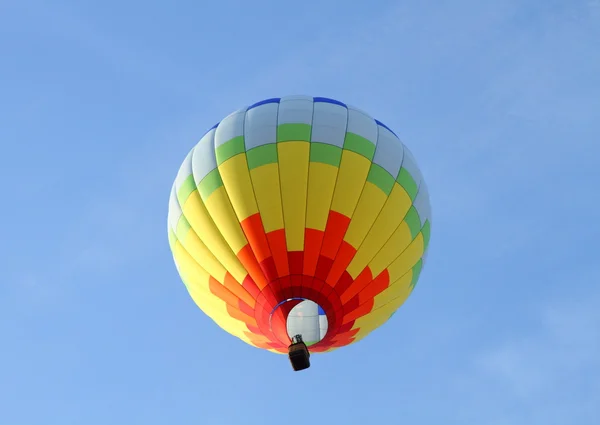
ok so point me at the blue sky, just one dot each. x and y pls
(499, 101)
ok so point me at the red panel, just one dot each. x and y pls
(269, 269)
(278, 246)
(362, 309)
(336, 227)
(271, 297)
(361, 282)
(248, 260)
(351, 305)
(312, 283)
(305, 281)
(255, 233)
(278, 346)
(278, 325)
(263, 345)
(377, 286)
(237, 314)
(333, 298)
(238, 290)
(341, 261)
(296, 262)
(343, 283)
(245, 308)
(323, 266)
(312, 247)
(275, 287)
(261, 302)
(346, 327)
(348, 334)
(220, 291)
(342, 343)
(250, 286)
(296, 286)
(255, 329)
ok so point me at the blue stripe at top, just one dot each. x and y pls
(321, 311)
(386, 127)
(211, 129)
(328, 100)
(264, 102)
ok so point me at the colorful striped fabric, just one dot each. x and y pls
(299, 198)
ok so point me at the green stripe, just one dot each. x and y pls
(210, 183)
(413, 221)
(408, 183)
(183, 226)
(229, 149)
(293, 132)
(416, 273)
(381, 178)
(360, 145)
(186, 189)
(426, 231)
(261, 155)
(327, 154)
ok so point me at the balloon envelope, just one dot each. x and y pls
(299, 215)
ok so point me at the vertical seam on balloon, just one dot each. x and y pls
(328, 213)
(214, 150)
(216, 258)
(210, 216)
(395, 258)
(382, 208)
(361, 192)
(254, 193)
(193, 152)
(281, 205)
(353, 211)
(281, 188)
(258, 308)
(203, 291)
(312, 120)
(229, 199)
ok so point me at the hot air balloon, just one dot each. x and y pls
(299, 225)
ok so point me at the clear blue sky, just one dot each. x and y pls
(498, 100)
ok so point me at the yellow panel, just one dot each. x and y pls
(203, 256)
(188, 267)
(389, 219)
(408, 259)
(398, 289)
(258, 338)
(369, 205)
(197, 215)
(236, 179)
(220, 316)
(222, 213)
(321, 182)
(352, 176)
(265, 180)
(392, 249)
(375, 319)
(196, 281)
(293, 171)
